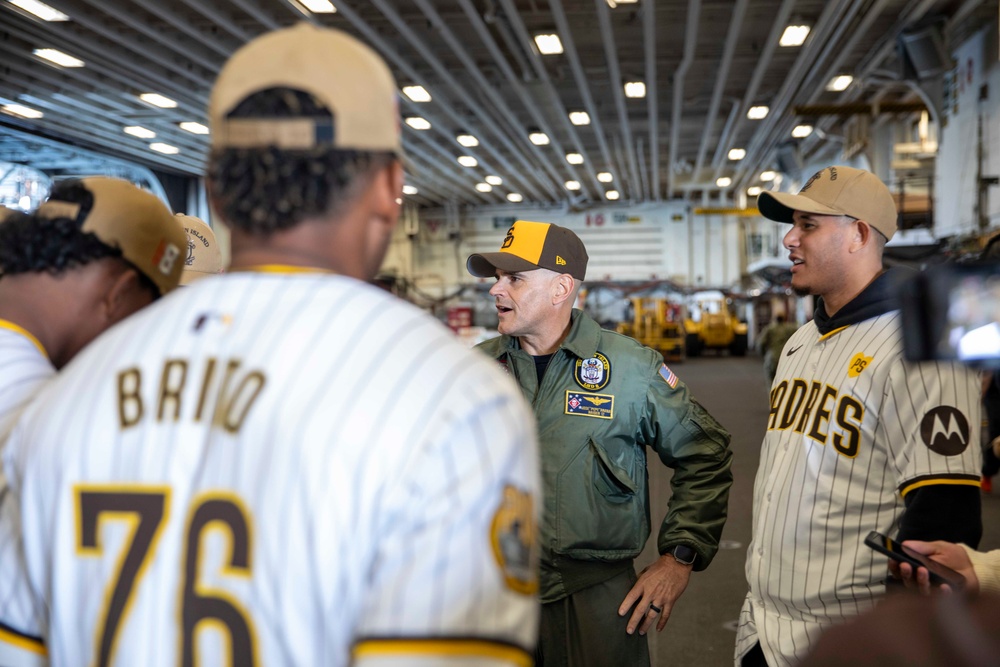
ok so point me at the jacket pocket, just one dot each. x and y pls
(601, 503)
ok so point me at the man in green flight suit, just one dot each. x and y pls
(601, 399)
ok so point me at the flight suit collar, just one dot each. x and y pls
(582, 340)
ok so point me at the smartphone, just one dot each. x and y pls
(940, 574)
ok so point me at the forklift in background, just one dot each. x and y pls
(712, 325)
(656, 323)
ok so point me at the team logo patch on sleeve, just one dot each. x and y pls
(594, 373)
(512, 535)
(945, 430)
(859, 362)
(601, 406)
(669, 376)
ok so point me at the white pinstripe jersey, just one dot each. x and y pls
(279, 469)
(852, 428)
(24, 370)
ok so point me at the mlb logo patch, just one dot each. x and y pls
(668, 376)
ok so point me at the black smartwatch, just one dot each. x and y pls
(683, 554)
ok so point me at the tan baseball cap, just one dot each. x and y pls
(204, 257)
(132, 220)
(836, 191)
(347, 76)
(533, 245)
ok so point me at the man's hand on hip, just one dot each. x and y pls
(655, 593)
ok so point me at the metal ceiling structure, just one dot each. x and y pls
(704, 63)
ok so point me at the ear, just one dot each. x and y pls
(563, 288)
(861, 236)
(387, 191)
(124, 295)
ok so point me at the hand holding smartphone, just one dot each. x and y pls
(939, 574)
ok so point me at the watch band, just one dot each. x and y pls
(683, 554)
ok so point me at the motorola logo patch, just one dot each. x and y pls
(945, 431)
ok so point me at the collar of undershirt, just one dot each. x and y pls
(10, 326)
(879, 297)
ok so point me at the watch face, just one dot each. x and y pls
(684, 554)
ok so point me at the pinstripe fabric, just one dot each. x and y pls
(848, 428)
(370, 453)
(24, 370)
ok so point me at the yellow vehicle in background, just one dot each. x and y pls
(711, 325)
(656, 323)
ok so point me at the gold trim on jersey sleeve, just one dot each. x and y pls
(282, 268)
(832, 333)
(22, 641)
(10, 326)
(932, 480)
(473, 648)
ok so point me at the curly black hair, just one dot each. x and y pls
(36, 244)
(263, 190)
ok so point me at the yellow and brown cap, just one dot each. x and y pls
(533, 245)
(836, 191)
(204, 257)
(347, 76)
(125, 217)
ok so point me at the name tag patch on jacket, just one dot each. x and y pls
(601, 406)
(593, 373)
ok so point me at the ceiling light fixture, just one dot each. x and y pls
(612, 195)
(839, 83)
(794, 35)
(767, 176)
(757, 112)
(538, 138)
(158, 100)
(635, 89)
(802, 131)
(574, 158)
(549, 44)
(21, 110)
(319, 6)
(467, 140)
(57, 57)
(193, 128)
(737, 153)
(515, 197)
(572, 185)
(166, 149)
(417, 93)
(494, 180)
(410, 190)
(579, 117)
(754, 190)
(467, 161)
(40, 9)
(418, 123)
(724, 182)
(605, 177)
(139, 131)
(484, 187)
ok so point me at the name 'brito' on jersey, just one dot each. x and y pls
(234, 394)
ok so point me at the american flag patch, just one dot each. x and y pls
(668, 376)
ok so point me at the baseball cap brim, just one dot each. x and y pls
(781, 206)
(485, 265)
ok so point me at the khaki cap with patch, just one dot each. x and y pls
(347, 76)
(836, 191)
(204, 257)
(533, 245)
(128, 218)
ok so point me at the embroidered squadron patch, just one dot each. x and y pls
(593, 374)
(858, 363)
(512, 535)
(601, 406)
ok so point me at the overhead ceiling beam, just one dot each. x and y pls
(652, 97)
(690, 42)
